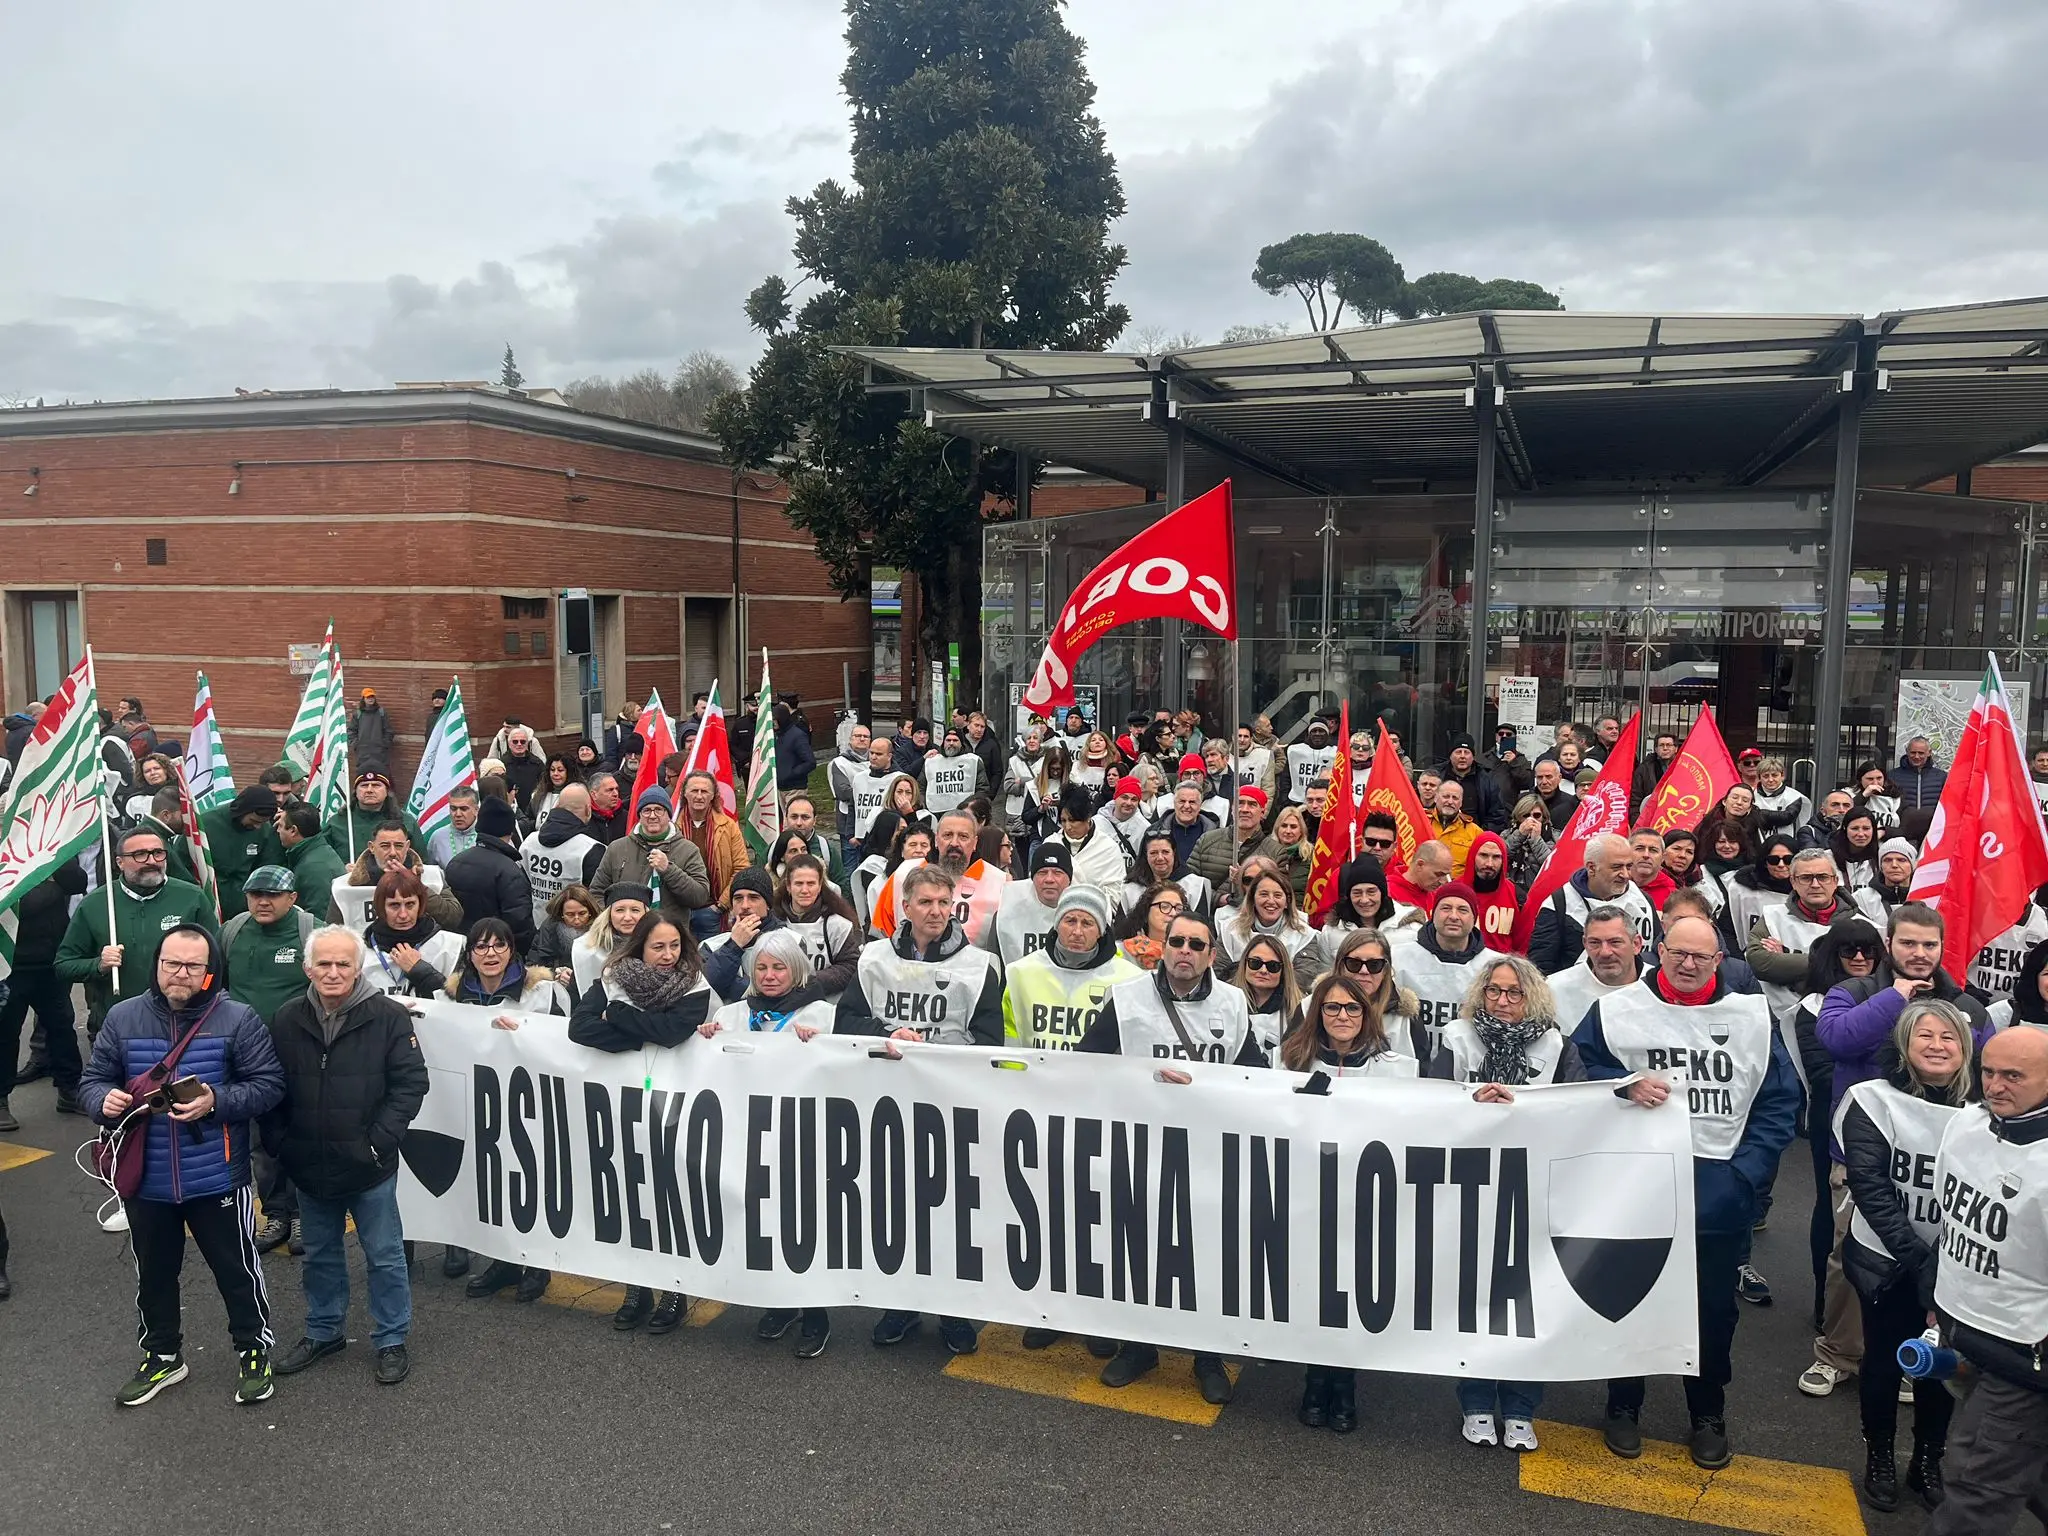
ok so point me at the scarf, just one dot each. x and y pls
(384, 937)
(701, 835)
(770, 1014)
(1507, 1045)
(1671, 994)
(650, 990)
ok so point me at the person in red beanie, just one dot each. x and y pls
(1124, 817)
(1487, 874)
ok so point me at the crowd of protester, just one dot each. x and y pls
(1134, 894)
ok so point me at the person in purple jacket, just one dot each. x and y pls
(1854, 1027)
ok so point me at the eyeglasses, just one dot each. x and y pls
(490, 944)
(145, 855)
(1689, 957)
(1778, 858)
(1266, 967)
(1503, 994)
(1182, 941)
(1334, 1009)
(1815, 874)
(1364, 965)
(1858, 951)
(182, 967)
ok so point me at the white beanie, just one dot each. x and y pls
(1898, 845)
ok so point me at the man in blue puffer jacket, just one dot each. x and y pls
(195, 1170)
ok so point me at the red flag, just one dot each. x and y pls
(1335, 837)
(1695, 782)
(711, 752)
(1182, 567)
(1987, 851)
(661, 743)
(1603, 808)
(1388, 789)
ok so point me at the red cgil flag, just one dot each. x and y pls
(1387, 788)
(711, 752)
(1603, 808)
(1337, 837)
(1694, 783)
(656, 732)
(1182, 567)
(1987, 852)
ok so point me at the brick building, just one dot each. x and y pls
(436, 526)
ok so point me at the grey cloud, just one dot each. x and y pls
(1837, 154)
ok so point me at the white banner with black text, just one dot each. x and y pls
(1391, 1225)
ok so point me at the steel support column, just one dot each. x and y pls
(1482, 561)
(1827, 707)
(1172, 632)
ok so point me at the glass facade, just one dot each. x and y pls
(1614, 604)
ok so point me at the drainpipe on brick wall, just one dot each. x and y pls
(739, 655)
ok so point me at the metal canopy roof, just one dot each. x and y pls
(1584, 400)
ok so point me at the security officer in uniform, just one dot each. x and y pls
(1991, 1289)
(1681, 1025)
(1177, 1013)
(926, 983)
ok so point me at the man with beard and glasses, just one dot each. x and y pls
(147, 905)
(977, 886)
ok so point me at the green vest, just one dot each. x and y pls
(266, 965)
(1047, 1007)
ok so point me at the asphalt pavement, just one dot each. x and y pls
(540, 1418)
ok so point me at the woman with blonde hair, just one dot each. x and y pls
(1505, 1037)
(1265, 975)
(1297, 853)
(1269, 908)
(625, 905)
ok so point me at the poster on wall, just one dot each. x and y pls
(1937, 704)
(1518, 702)
(1087, 699)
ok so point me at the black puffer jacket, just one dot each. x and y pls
(1907, 1258)
(347, 1103)
(44, 914)
(489, 881)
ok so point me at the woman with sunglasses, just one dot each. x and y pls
(1265, 974)
(1766, 883)
(1144, 928)
(1505, 1037)
(1889, 1253)
(1269, 908)
(651, 997)
(1366, 957)
(1340, 1036)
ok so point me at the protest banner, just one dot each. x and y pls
(1550, 1239)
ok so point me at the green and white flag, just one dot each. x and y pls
(445, 765)
(55, 804)
(207, 780)
(304, 736)
(761, 818)
(328, 789)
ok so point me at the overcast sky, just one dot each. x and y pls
(200, 198)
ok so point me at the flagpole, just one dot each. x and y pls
(92, 682)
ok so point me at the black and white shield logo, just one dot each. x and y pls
(435, 1142)
(1613, 1216)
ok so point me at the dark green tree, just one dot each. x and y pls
(1353, 270)
(1453, 293)
(977, 216)
(508, 371)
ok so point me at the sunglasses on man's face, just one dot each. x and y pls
(1182, 941)
(1365, 965)
(1379, 845)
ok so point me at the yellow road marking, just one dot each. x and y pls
(14, 1154)
(1776, 1498)
(1067, 1370)
(587, 1295)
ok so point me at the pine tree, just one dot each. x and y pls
(978, 216)
(509, 374)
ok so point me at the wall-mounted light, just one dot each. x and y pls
(35, 482)
(235, 485)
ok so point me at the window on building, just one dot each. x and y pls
(156, 551)
(524, 607)
(46, 627)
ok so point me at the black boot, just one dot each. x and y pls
(1314, 1412)
(1880, 1476)
(1923, 1474)
(454, 1262)
(634, 1309)
(1343, 1402)
(667, 1316)
(497, 1276)
(533, 1284)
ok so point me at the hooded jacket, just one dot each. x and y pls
(489, 881)
(352, 1086)
(232, 1054)
(1498, 905)
(369, 739)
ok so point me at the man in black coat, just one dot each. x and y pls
(354, 1080)
(489, 880)
(43, 915)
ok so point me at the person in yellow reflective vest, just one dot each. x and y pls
(1054, 992)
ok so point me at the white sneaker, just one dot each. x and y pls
(1479, 1429)
(1820, 1379)
(118, 1222)
(1519, 1435)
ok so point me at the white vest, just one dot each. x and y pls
(1439, 985)
(1746, 904)
(1217, 1024)
(1574, 990)
(1024, 776)
(549, 869)
(1468, 1053)
(443, 952)
(1575, 905)
(949, 782)
(353, 901)
(1305, 764)
(1128, 834)
(1235, 941)
(1717, 1054)
(822, 937)
(818, 1015)
(870, 793)
(1021, 922)
(1913, 1129)
(1994, 1230)
(586, 961)
(1389, 1063)
(1257, 767)
(1997, 965)
(934, 997)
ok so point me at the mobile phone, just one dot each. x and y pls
(185, 1090)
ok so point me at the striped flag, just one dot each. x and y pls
(328, 789)
(301, 739)
(208, 783)
(445, 765)
(762, 820)
(195, 837)
(710, 752)
(55, 806)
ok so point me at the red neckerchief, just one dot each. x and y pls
(1822, 918)
(1671, 994)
